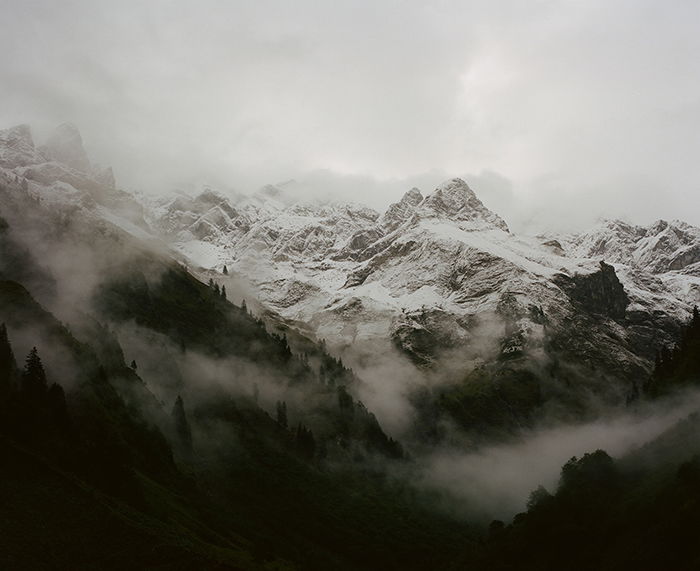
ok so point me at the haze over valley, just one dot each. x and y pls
(290, 296)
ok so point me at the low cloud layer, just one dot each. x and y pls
(584, 109)
(497, 480)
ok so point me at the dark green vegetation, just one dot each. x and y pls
(218, 446)
(640, 512)
(565, 375)
(491, 403)
(678, 367)
(100, 473)
(247, 493)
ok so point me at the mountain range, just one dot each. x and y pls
(431, 323)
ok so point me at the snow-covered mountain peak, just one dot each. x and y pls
(65, 145)
(660, 247)
(425, 275)
(413, 197)
(454, 200)
(62, 159)
(402, 210)
(425, 272)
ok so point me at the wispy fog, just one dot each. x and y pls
(497, 480)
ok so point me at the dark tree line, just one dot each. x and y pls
(679, 365)
(29, 403)
(219, 291)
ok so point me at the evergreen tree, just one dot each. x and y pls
(679, 366)
(223, 291)
(216, 289)
(225, 271)
(694, 325)
(34, 385)
(133, 365)
(182, 426)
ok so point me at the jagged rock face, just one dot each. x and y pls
(74, 184)
(599, 293)
(358, 244)
(61, 163)
(455, 201)
(432, 275)
(401, 211)
(17, 148)
(440, 274)
(207, 216)
(554, 246)
(426, 333)
(65, 146)
(49, 173)
(658, 248)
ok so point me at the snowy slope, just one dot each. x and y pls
(60, 174)
(431, 274)
(431, 271)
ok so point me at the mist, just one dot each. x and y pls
(392, 384)
(497, 480)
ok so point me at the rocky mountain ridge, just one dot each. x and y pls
(438, 277)
(354, 274)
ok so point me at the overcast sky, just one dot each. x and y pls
(554, 111)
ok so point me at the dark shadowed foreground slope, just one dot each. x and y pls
(148, 423)
(268, 462)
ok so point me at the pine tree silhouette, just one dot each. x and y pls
(678, 366)
(34, 385)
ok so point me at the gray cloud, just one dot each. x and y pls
(585, 109)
